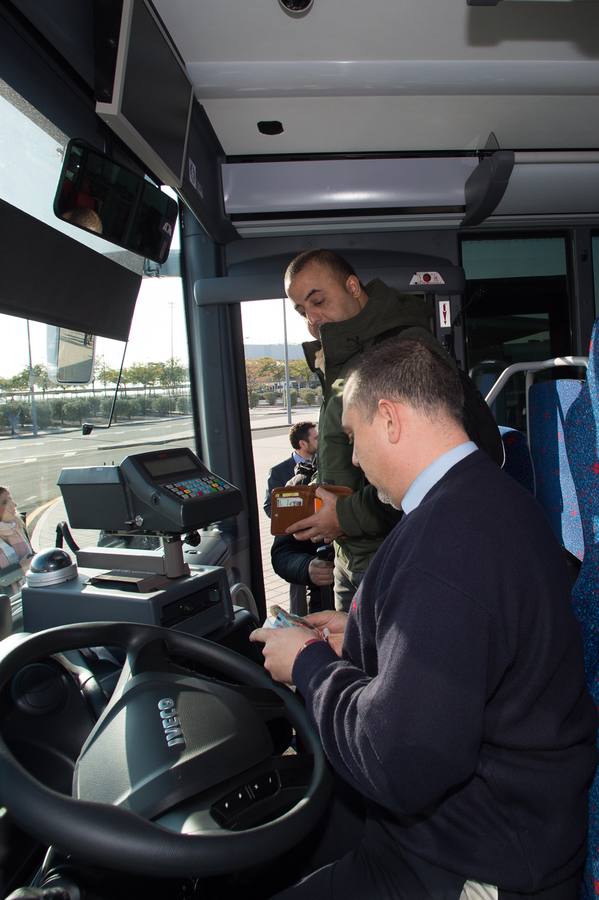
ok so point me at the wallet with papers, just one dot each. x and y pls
(290, 504)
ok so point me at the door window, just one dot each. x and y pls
(516, 309)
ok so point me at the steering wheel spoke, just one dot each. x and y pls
(148, 656)
(182, 775)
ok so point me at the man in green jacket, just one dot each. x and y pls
(348, 318)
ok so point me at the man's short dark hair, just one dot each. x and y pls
(407, 371)
(300, 432)
(328, 258)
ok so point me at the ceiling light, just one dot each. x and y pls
(296, 8)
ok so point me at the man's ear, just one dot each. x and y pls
(353, 285)
(390, 419)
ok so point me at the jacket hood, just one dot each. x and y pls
(343, 341)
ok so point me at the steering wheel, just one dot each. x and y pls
(180, 775)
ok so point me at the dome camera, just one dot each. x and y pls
(296, 8)
(51, 566)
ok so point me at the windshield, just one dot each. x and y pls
(40, 419)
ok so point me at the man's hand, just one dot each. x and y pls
(330, 623)
(321, 572)
(281, 646)
(323, 525)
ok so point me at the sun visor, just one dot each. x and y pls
(49, 277)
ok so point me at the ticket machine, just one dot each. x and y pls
(167, 493)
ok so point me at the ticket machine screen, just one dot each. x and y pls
(162, 491)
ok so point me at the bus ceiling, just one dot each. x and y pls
(489, 118)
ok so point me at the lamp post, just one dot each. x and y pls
(172, 390)
(287, 392)
(31, 385)
(171, 303)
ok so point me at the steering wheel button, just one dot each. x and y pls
(233, 804)
(264, 786)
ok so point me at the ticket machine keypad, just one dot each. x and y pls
(197, 487)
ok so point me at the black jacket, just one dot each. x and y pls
(364, 520)
(291, 560)
(278, 476)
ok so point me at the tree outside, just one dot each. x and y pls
(148, 389)
(264, 377)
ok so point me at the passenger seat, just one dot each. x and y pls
(580, 423)
(549, 405)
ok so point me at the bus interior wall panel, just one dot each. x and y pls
(199, 255)
(245, 457)
(224, 439)
(201, 188)
(68, 25)
(45, 81)
(255, 267)
(107, 20)
(206, 250)
(225, 417)
(209, 291)
(37, 71)
(370, 249)
(582, 289)
(86, 291)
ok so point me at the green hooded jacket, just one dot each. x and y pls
(364, 519)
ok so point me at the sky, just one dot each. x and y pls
(158, 314)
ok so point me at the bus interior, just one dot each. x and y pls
(451, 150)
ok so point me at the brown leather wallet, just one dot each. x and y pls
(289, 504)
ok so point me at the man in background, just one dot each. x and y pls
(303, 437)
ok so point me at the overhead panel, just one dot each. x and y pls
(388, 77)
(340, 185)
(566, 189)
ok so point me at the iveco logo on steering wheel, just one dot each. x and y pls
(170, 722)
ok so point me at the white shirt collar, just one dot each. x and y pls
(434, 473)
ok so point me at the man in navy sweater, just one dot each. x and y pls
(451, 697)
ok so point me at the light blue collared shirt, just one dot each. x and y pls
(434, 473)
(300, 459)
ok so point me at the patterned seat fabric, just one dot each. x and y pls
(550, 403)
(581, 438)
(518, 462)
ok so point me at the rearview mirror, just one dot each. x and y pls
(107, 199)
(70, 355)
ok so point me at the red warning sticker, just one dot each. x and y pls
(444, 313)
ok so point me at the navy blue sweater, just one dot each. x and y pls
(459, 708)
